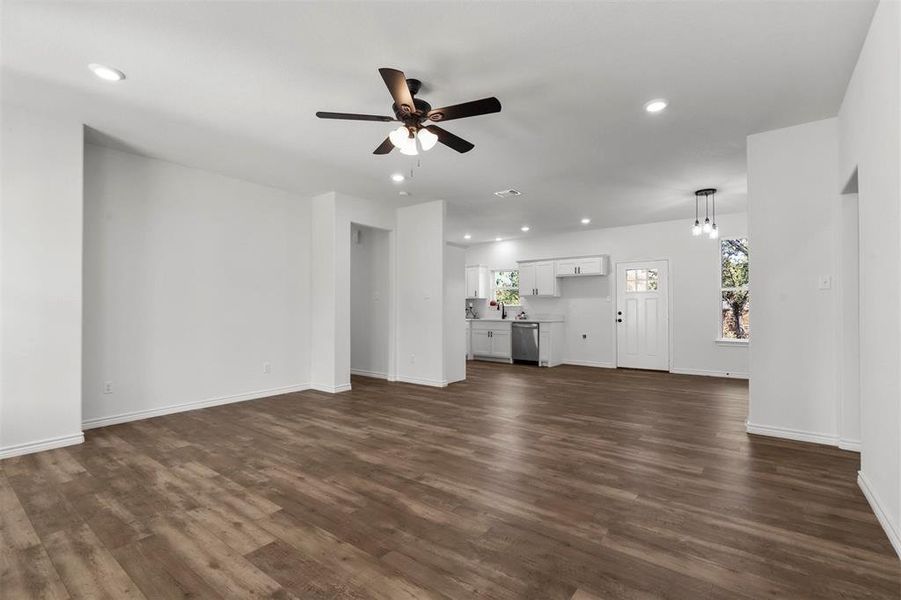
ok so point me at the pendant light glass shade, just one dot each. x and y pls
(696, 228)
(707, 226)
(714, 232)
(427, 139)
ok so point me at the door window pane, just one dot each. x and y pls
(641, 280)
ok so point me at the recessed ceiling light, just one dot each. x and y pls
(106, 73)
(498, 239)
(467, 237)
(397, 178)
(404, 193)
(524, 228)
(586, 221)
(655, 106)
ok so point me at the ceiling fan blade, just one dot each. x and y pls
(385, 147)
(397, 85)
(467, 109)
(450, 140)
(354, 117)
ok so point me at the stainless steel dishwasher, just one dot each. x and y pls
(525, 342)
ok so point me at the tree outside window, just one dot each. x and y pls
(506, 287)
(735, 310)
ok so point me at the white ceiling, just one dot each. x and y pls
(233, 87)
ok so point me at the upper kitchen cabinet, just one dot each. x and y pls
(583, 266)
(477, 282)
(538, 278)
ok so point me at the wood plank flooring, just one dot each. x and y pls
(570, 483)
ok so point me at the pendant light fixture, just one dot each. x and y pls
(708, 227)
(696, 228)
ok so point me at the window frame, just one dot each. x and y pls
(495, 288)
(720, 339)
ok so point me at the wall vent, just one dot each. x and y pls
(507, 193)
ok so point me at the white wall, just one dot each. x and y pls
(370, 293)
(792, 202)
(333, 215)
(192, 282)
(870, 143)
(454, 313)
(588, 303)
(40, 297)
(420, 294)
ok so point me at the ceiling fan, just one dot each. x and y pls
(413, 112)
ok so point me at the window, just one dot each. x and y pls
(641, 280)
(735, 307)
(506, 287)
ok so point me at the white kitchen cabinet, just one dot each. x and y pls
(582, 266)
(550, 344)
(477, 282)
(468, 334)
(538, 278)
(491, 339)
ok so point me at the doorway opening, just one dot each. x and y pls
(849, 309)
(370, 307)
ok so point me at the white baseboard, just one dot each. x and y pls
(706, 373)
(893, 533)
(852, 445)
(330, 389)
(373, 374)
(176, 408)
(41, 445)
(792, 434)
(588, 363)
(421, 381)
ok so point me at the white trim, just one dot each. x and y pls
(850, 445)
(41, 445)
(194, 405)
(589, 363)
(330, 389)
(706, 373)
(882, 515)
(792, 434)
(422, 381)
(731, 342)
(365, 373)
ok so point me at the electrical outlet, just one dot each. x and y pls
(108, 387)
(267, 368)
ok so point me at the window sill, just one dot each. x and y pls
(730, 342)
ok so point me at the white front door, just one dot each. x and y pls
(642, 315)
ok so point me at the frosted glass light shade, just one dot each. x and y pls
(707, 226)
(427, 139)
(714, 232)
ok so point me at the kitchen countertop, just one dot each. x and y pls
(536, 320)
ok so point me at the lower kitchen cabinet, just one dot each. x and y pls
(550, 344)
(491, 340)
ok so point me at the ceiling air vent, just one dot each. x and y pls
(507, 193)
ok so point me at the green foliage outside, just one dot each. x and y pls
(506, 285)
(735, 275)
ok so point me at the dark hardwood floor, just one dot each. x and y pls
(570, 483)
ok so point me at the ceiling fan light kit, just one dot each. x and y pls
(415, 135)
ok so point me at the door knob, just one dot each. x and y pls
(619, 320)
(619, 312)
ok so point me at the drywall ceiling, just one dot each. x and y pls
(233, 87)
